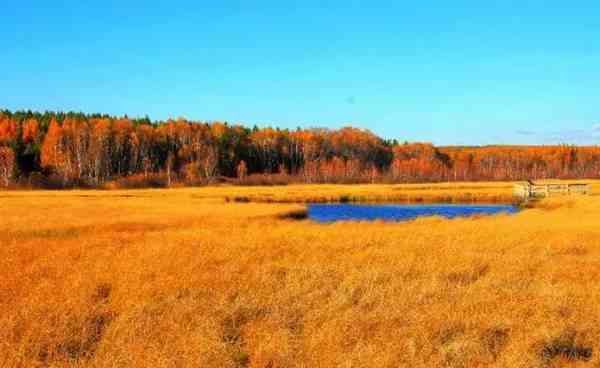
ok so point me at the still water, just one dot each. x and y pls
(400, 212)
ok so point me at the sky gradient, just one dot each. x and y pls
(447, 72)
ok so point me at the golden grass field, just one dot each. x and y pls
(185, 278)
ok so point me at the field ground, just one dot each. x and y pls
(185, 277)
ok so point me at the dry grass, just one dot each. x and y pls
(451, 192)
(169, 278)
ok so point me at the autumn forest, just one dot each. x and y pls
(62, 150)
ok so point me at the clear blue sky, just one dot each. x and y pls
(449, 72)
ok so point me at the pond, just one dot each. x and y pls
(400, 212)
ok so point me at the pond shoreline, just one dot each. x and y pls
(388, 199)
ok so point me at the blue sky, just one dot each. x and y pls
(448, 72)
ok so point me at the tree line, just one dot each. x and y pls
(59, 150)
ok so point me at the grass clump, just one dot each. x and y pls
(566, 347)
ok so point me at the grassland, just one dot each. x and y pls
(170, 278)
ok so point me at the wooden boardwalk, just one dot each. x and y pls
(530, 190)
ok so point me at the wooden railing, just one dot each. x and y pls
(528, 190)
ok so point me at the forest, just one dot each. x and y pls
(65, 150)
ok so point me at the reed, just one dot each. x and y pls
(181, 277)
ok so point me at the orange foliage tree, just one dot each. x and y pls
(93, 149)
